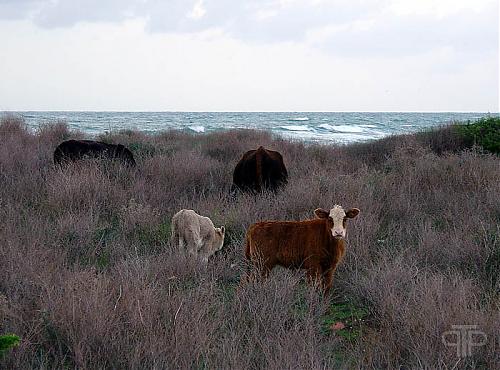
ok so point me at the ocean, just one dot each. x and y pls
(339, 127)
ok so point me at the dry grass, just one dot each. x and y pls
(88, 278)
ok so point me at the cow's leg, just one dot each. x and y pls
(314, 275)
(178, 240)
(204, 249)
(201, 250)
(186, 245)
(328, 280)
(175, 238)
(256, 266)
(266, 267)
(262, 264)
(193, 248)
(192, 241)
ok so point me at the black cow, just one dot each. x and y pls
(260, 169)
(73, 150)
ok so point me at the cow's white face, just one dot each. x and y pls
(219, 243)
(337, 219)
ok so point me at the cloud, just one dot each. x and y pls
(66, 13)
(120, 66)
(260, 19)
(347, 27)
(343, 27)
(13, 9)
(409, 35)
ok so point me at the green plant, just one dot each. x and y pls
(352, 317)
(143, 150)
(7, 342)
(157, 234)
(484, 132)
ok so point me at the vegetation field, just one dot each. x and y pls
(88, 278)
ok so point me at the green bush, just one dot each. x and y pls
(143, 150)
(484, 132)
(8, 341)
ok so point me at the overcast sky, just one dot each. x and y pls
(259, 55)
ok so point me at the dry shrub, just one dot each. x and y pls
(232, 144)
(51, 134)
(446, 139)
(13, 126)
(417, 304)
(83, 185)
(18, 152)
(136, 215)
(3, 307)
(91, 281)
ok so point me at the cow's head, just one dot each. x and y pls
(336, 219)
(219, 238)
(125, 154)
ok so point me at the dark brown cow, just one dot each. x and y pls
(72, 150)
(315, 245)
(260, 169)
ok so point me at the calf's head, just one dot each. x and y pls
(219, 238)
(336, 219)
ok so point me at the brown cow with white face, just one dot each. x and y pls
(316, 245)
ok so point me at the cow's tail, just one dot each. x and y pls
(254, 262)
(247, 248)
(249, 271)
(258, 168)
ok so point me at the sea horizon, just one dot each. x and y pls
(308, 126)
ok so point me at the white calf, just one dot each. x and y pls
(196, 234)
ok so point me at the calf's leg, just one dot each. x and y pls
(194, 247)
(328, 279)
(266, 267)
(314, 275)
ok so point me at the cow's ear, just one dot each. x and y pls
(321, 213)
(222, 230)
(353, 212)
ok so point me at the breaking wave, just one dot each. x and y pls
(197, 128)
(296, 128)
(342, 128)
